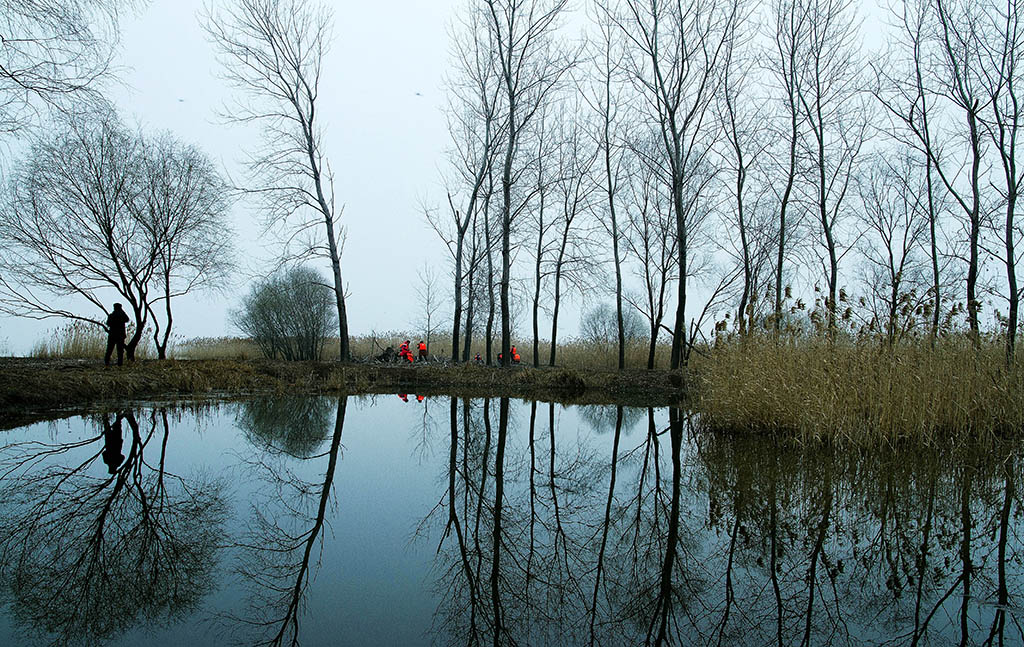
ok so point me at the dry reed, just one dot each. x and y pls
(573, 353)
(82, 340)
(861, 393)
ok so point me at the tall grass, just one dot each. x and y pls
(573, 353)
(861, 391)
(82, 340)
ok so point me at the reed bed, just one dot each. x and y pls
(83, 340)
(861, 392)
(573, 353)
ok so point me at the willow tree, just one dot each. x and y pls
(273, 52)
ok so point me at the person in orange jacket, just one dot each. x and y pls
(404, 352)
(423, 351)
(515, 355)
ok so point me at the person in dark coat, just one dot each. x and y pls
(116, 334)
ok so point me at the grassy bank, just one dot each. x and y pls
(850, 392)
(29, 387)
(861, 393)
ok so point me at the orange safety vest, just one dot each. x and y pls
(423, 347)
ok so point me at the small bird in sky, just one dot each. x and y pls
(419, 94)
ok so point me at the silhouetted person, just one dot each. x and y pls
(112, 443)
(116, 334)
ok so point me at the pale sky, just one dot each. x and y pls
(382, 108)
(382, 101)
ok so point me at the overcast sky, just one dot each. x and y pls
(381, 107)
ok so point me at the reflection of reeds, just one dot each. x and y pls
(861, 392)
(83, 340)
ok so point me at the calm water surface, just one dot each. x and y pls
(376, 521)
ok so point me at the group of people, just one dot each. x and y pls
(513, 352)
(405, 353)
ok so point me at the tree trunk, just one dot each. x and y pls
(468, 341)
(537, 282)
(489, 330)
(975, 228)
(457, 314)
(678, 359)
(1011, 275)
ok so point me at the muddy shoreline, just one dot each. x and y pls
(39, 389)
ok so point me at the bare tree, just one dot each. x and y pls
(546, 141)
(67, 229)
(53, 54)
(744, 127)
(430, 300)
(943, 40)
(829, 88)
(1002, 56)
(183, 205)
(960, 84)
(789, 18)
(531, 65)
(674, 59)
(573, 259)
(273, 51)
(910, 103)
(474, 92)
(288, 316)
(96, 207)
(651, 239)
(607, 103)
(895, 214)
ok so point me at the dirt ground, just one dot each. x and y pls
(38, 388)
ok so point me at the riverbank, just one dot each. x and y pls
(34, 388)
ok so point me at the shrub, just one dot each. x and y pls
(289, 316)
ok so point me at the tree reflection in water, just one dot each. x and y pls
(280, 549)
(682, 537)
(293, 425)
(85, 557)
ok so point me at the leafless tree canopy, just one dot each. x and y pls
(52, 54)
(273, 52)
(97, 213)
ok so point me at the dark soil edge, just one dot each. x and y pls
(37, 389)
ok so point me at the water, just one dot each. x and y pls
(375, 521)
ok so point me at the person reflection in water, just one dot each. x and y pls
(404, 396)
(112, 443)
